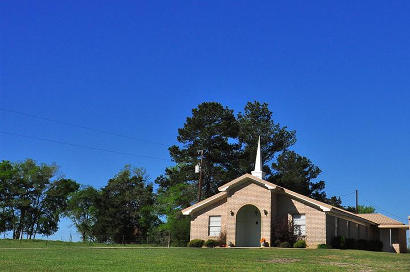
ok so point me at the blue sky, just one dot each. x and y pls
(337, 72)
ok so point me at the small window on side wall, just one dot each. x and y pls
(214, 225)
(299, 224)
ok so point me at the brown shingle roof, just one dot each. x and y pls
(380, 219)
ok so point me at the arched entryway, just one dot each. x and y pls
(248, 226)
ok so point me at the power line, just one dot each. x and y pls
(348, 199)
(370, 203)
(386, 211)
(80, 126)
(80, 146)
(347, 194)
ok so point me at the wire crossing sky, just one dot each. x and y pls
(122, 76)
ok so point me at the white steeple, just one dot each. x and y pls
(258, 163)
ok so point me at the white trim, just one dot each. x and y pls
(323, 208)
(223, 189)
(210, 225)
(205, 201)
(270, 187)
(187, 212)
(393, 226)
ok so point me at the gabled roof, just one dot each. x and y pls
(323, 206)
(244, 178)
(204, 203)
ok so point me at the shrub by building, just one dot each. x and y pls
(284, 244)
(212, 243)
(341, 243)
(323, 246)
(196, 243)
(300, 244)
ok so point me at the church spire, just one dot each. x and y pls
(258, 163)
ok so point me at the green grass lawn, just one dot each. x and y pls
(61, 256)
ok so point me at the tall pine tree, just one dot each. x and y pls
(211, 129)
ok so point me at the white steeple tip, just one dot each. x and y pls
(258, 163)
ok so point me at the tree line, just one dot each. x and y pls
(32, 199)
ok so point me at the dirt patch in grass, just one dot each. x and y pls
(335, 257)
(357, 267)
(282, 260)
(339, 264)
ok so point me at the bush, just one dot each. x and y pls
(299, 244)
(283, 230)
(212, 243)
(323, 246)
(196, 243)
(339, 242)
(284, 244)
(276, 243)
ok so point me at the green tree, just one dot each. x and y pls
(82, 211)
(255, 121)
(32, 181)
(335, 201)
(30, 201)
(125, 208)
(298, 173)
(53, 206)
(174, 194)
(8, 190)
(361, 209)
(210, 128)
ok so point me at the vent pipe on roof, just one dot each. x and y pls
(258, 163)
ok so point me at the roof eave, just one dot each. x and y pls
(352, 216)
(268, 185)
(210, 200)
(305, 199)
(393, 226)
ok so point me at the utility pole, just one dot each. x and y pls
(357, 201)
(201, 152)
